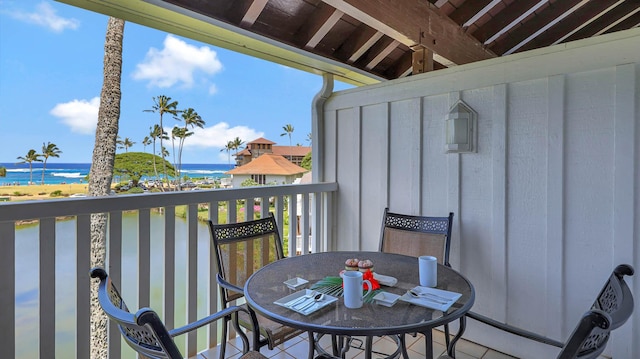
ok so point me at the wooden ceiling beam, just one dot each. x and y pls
(503, 19)
(382, 54)
(628, 23)
(322, 28)
(427, 27)
(601, 23)
(532, 25)
(358, 43)
(255, 9)
(468, 10)
(581, 16)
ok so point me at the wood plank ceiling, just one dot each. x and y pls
(396, 38)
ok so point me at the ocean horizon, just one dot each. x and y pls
(66, 173)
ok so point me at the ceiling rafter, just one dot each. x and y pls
(382, 50)
(324, 28)
(255, 9)
(468, 10)
(427, 27)
(503, 19)
(541, 19)
(601, 23)
(360, 41)
(569, 24)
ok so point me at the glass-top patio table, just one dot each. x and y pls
(266, 286)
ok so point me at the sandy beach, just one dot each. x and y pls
(36, 192)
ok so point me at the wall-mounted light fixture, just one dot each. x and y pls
(460, 129)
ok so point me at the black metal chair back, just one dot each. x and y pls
(146, 333)
(611, 309)
(241, 249)
(416, 235)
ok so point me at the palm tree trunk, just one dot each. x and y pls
(44, 167)
(101, 172)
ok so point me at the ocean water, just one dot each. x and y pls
(64, 173)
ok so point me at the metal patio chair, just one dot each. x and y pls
(417, 236)
(241, 249)
(146, 333)
(610, 310)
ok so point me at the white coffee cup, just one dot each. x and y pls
(428, 266)
(353, 290)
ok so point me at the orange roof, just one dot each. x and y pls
(291, 150)
(268, 164)
(262, 140)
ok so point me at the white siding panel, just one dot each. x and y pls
(589, 193)
(405, 151)
(348, 176)
(375, 166)
(526, 175)
(434, 170)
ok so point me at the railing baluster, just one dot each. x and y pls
(168, 304)
(8, 289)
(293, 225)
(83, 285)
(144, 260)
(304, 224)
(192, 277)
(114, 261)
(47, 286)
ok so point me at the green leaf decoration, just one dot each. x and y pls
(333, 286)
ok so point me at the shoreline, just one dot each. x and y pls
(40, 192)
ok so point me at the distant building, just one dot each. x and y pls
(262, 146)
(266, 169)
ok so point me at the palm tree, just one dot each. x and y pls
(235, 144)
(146, 141)
(163, 104)
(175, 133)
(126, 143)
(101, 173)
(191, 119)
(48, 150)
(156, 132)
(31, 157)
(228, 148)
(288, 130)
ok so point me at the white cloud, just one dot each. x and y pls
(45, 16)
(216, 138)
(81, 116)
(177, 63)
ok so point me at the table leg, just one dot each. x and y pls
(451, 350)
(428, 343)
(368, 347)
(312, 345)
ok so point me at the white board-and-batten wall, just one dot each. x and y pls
(544, 210)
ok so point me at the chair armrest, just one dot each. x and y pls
(514, 330)
(207, 320)
(591, 319)
(226, 285)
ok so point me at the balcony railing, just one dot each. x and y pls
(172, 250)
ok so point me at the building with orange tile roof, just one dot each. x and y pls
(267, 169)
(261, 145)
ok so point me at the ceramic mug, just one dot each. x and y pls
(428, 269)
(353, 290)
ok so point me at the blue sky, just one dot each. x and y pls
(51, 75)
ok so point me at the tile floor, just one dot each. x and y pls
(297, 349)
